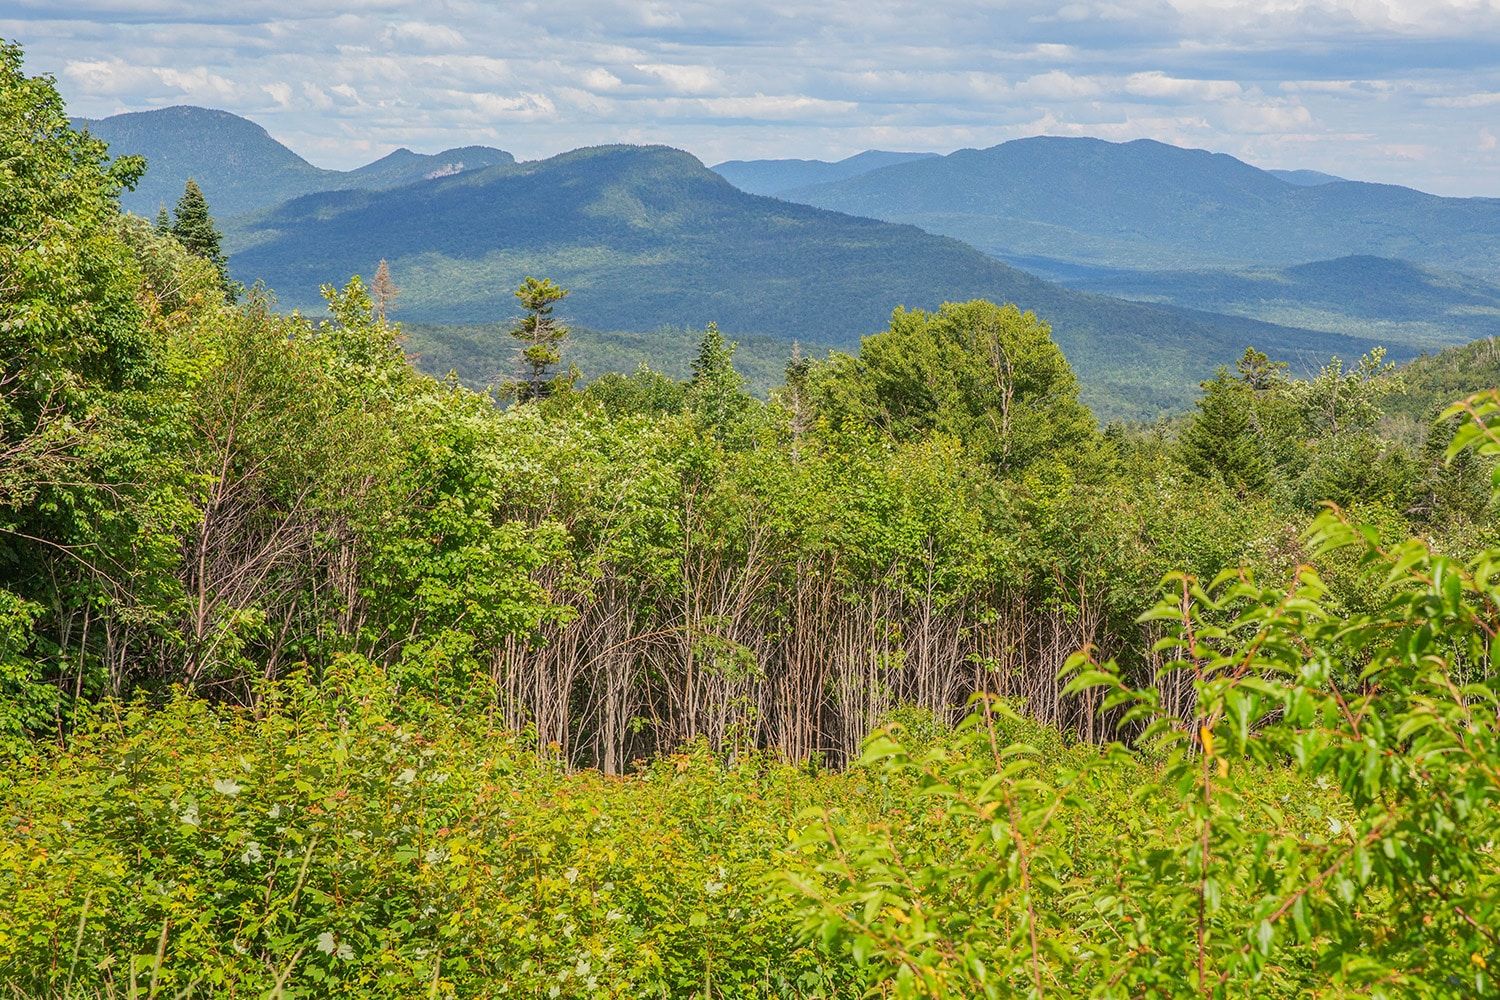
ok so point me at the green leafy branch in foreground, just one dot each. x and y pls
(1371, 869)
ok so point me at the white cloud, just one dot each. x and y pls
(1057, 85)
(1484, 100)
(1157, 84)
(779, 108)
(429, 37)
(685, 79)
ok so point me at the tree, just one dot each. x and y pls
(542, 336)
(717, 390)
(383, 290)
(163, 220)
(794, 396)
(1219, 441)
(989, 375)
(70, 322)
(195, 230)
(1339, 401)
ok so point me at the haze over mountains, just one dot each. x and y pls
(647, 237)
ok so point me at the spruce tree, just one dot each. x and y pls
(542, 336)
(195, 230)
(717, 391)
(1220, 440)
(163, 220)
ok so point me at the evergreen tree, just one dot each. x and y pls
(1220, 442)
(717, 390)
(798, 371)
(542, 336)
(163, 220)
(195, 230)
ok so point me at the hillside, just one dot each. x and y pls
(1390, 300)
(241, 168)
(1148, 205)
(647, 237)
(775, 176)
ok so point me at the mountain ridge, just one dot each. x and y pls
(241, 167)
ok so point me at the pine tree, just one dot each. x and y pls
(195, 230)
(163, 220)
(543, 337)
(383, 290)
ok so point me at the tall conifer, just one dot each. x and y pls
(195, 230)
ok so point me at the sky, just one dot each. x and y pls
(1399, 91)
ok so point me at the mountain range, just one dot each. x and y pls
(242, 169)
(1151, 206)
(649, 239)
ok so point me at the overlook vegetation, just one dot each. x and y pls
(320, 676)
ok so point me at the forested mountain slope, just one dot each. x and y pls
(241, 168)
(647, 237)
(1149, 205)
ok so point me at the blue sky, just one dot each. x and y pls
(1403, 91)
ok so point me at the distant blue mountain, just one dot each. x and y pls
(241, 169)
(775, 176)
(1146, 205)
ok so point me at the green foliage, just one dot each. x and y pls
(1321, 820)
(716, 391)
(349, 840)
(988, 375)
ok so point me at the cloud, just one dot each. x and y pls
(1159, 85)
(685, 79)
(1338, 85)
(1485, 100)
